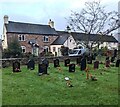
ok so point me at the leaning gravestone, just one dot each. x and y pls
(31, 64)
(16, 66)
(72, 68)
(89, 59)
(66, 62)
(96, 65)
(117, 63)
(83, 63)
(56, 63)
(78, 60)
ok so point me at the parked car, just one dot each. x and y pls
(78, 52)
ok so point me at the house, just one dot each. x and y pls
(33, 38)
(64, 39)
(106, 40)
(76, 39)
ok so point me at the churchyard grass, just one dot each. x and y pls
(27, 88)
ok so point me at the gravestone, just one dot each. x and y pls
(83, 63)
(96, 64)
(115, 53)
(66, 62)
(107, 62)
(89, 59)
(72, 68)
(31, 64)
(56, 63)
(78, 60)
(42, 69)
(112, 59)
(16, 66)
(117, 63)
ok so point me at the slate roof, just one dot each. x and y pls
(61, 39)
(82, 37)
(93, 37)
(28, 28)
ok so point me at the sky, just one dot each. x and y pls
(40, 11)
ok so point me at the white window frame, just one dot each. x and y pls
(45, 39)
(23, 47)
(21, 36)
(46, 47)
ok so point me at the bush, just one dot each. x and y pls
(64, 50)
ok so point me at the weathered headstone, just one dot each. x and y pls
(56, 63)
(66, 62)
(83, 63)
(16, 66)
(96, 64)
(89, 59)
(31, 64)
(72, 68)
(117, 63)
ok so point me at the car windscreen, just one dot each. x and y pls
(73, 52)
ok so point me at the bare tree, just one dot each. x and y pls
(93, 19)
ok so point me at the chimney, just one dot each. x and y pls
(5, 19)
(51, 23)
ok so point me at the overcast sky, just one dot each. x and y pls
(40, 11)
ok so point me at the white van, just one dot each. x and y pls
(78, 52)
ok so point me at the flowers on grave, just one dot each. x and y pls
(86, 70)
(93, 78)
(68, 82)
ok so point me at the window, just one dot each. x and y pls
(46, 49)
(21, 37)
(45, 39)
(23, 49)
(54, 49)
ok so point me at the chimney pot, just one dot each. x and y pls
(5, 19)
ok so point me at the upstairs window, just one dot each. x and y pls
(21, 37)
(45, 39)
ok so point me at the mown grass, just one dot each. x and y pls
(27, 88)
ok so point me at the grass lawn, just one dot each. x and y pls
(27, 88)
